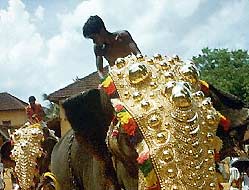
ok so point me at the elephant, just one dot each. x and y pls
(43, 162)
(91, 160)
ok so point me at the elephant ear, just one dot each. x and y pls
(90, 114)
(230, 106)
(237, 112)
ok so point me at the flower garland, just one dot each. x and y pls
(144, 162)
(126, 121)
(145, 165)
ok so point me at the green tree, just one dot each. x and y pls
(227, 70)
(52, 111)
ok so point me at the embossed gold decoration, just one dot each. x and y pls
(27, 148)
(137, 73)
(178, 123)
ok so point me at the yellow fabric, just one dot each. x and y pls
(107, 82)
(204, 83)
(124, 117)
(221, 116)
(52, 176)
(150, 179)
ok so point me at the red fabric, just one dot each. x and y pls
(154, 187)
(130, 127)
(225, 123)
(205, 89)
(110, 89)
(216, 156)
(35, 113)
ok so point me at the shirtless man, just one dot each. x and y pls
(34, 111)
(106, 44)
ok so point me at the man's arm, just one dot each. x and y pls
(99, 65)
(28, 112)
(99, 61)
(134, 48)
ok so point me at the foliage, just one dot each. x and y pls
(227, 70)
(52, 111)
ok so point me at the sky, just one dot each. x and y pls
(42, 48)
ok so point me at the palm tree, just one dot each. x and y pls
(52, 111)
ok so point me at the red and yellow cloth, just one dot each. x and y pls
(108, 85)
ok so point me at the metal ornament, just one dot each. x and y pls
(177, 122)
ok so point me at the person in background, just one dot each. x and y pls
(34, 111)
(1, 176)
(106, 44)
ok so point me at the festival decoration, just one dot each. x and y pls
(108, 85)
(128, 124)
(224, 121)
(126, 120)
(178, 123)
(26, 150)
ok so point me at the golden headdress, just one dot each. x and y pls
(178, 123)
(27, 148)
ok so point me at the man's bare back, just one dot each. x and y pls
(122, 46)
(108, 45)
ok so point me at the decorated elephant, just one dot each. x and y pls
(159, 133)
(28, 151)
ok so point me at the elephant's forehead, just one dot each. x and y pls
(178, 123)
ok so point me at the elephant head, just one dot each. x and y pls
(17, 151)
(83, 151)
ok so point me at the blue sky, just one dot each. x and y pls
(43, 50)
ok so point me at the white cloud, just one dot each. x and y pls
(224, 28)
(21, 47)
(185, 8)
(39, 13)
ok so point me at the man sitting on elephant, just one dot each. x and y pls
(35, 111)
(106, 44)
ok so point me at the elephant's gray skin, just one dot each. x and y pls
(81, 159)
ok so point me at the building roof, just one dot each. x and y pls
(80, 85)
(9, 102)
